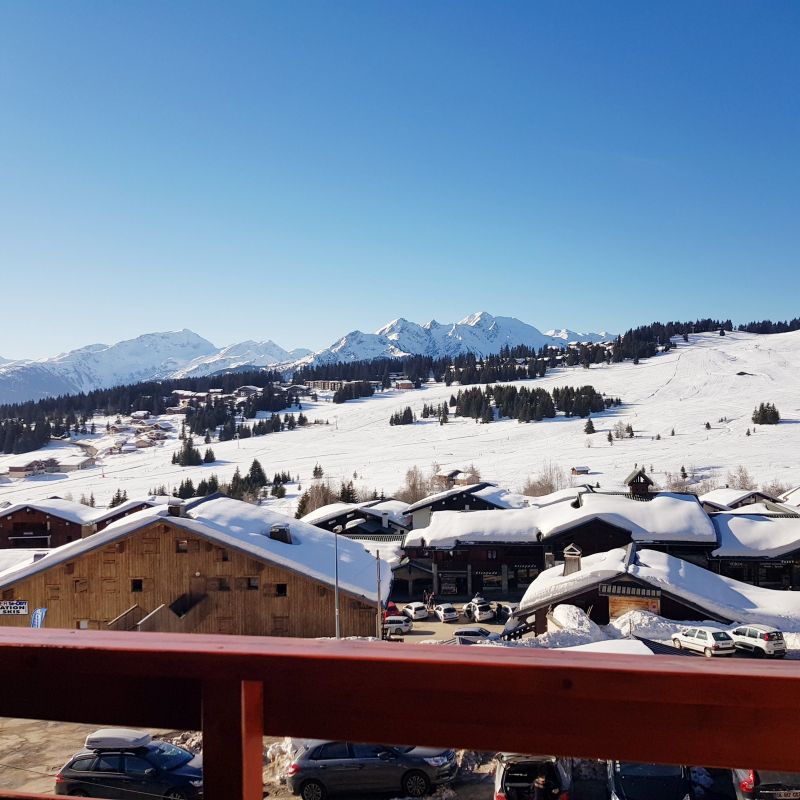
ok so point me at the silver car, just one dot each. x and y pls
(708, 641)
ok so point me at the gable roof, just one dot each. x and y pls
(638, 473)
(395, 510)
(725, 498)
(55, 506)
(455, 491)
(241, 526)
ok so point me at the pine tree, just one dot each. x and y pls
(256, 475)
(610, 438)
(302, 505)
(708, 426)
(589, 426)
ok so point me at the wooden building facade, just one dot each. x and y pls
(167, 577)
(29, 526)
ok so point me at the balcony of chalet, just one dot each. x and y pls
(235, 689)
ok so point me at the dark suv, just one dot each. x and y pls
(763, 785)
(320, 768)
(120, 763)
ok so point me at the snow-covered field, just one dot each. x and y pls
(693, 384)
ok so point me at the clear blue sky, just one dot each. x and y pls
(295, 170)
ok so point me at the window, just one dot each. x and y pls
(108, 762)
(69, 569)
(491, 554)
(368, 750)
(150, 545)
(137, 585)
(281, 590)
(53, 592)
(321, 591)
(221, 554)
(182, 546)
(80, 585)
(219, 585)
(702, 635)
(82, 624)
(252, 584)
(332, 750)
(83, 764)
(135, 765)
(109, 555)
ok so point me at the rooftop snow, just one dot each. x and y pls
(755, 535)
(729, 497)
(13, 558)
(66, 509)
(456, 490)
(394, 509)
(233, 523)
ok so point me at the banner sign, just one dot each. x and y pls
(37, 618)
(13, 606)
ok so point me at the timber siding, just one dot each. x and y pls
(243, 594)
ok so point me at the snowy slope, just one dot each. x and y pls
(693, 384)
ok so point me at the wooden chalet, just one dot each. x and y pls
(45, 523)
(639, 483)
(223, 566)
(475, 497)
(606, 586)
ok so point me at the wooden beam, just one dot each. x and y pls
(638, 708)
(233, 730)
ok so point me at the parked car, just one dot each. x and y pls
(631, 781)
(416, 610)
(478, 610)
(124, 763)
(397, 626)
(757, 784)
(321, 768)
(708, 641)
(446, 612)
(515, 774)
(760, 640)
(476, 634)
(391, 610)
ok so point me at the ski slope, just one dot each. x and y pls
(693, 384)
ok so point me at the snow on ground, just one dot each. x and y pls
(693, 384)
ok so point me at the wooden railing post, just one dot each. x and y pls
(233, 730)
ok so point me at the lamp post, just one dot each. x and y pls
(336, 577)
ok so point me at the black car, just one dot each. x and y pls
(631, 781)
(321, 768)
(759, 784)
(120, 763)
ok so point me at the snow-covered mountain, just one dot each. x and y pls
(182, 354)
(153, 355)
(244, 355)
(479, 333)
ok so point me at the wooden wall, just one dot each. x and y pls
(60, 530)
(260, 599)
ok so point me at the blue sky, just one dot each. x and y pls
(295, 170)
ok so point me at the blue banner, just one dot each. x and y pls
(37, 617)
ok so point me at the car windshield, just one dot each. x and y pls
(720, 636)
(631, 770)
(167, 756)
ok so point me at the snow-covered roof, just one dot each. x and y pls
(66, 509)
(243, 526)
(792, 496)
(12, 558)
(551, 584)
(665, 518)
(456, 490)
(628, 647)
(570, 493)
(125, 507)
(394, 509)
(718, 596)
(725, 498)
(502, 498)
(756, 535)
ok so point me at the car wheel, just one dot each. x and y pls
(398, 631)
(416, 784)
(758, 652)
(708, 652)
(677, 644)
(312, 790)
(175, 794)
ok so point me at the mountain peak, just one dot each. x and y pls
(478, 319)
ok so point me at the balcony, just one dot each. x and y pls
(235, 688)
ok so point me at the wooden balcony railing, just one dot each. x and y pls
(655, 709)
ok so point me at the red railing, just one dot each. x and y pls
(236, 688)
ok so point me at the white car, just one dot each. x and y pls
(708, 641)
(760, 640)
(397, 626)
(446, 612)
(478, 610)
(476, 634)
(416, 610)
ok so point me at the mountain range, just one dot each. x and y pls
(182, 354)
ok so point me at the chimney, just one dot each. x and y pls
(385, 519)
(280, 533)
(176, 507)
(572, 559)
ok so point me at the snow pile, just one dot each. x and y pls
(573, 627)
(752, 535)
(645, 624)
